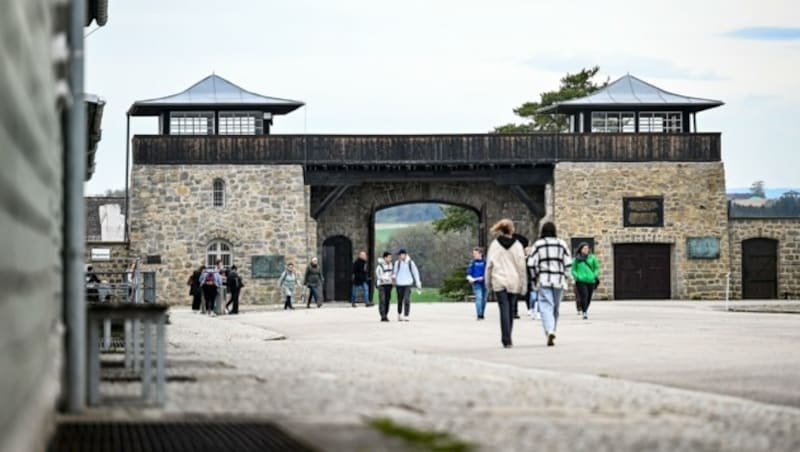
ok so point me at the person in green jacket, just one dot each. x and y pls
(586, 272)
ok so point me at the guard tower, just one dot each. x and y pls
(214, 106)
(631, 105)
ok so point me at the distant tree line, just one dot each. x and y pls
(787, 205)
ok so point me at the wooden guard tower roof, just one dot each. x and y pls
(214, 93)
(631, 93)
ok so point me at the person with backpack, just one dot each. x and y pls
(313, 279)
(406, 275)
(505, 275)
(586, 273)
(384, 278)
(211, 281)
(476, 276)
(234, 283)
(195, 289)
(288, 283)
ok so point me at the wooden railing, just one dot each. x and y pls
(426, 149)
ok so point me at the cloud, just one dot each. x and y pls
(644, 67)
(766, 33)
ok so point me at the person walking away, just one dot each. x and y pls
(360, 279)
(586, 273)
(384, 278)
(235, 285)
(211, 281)
(522, 296)
(195, 289)
(288, 283)
(92, 281)
(476, 272)
(313, 279)
(505, 274)
(549, 265)
(406, 275)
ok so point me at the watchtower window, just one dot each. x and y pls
(219, 193)
(241, 123)
(191, 123)
(613, 122)
(669, 121)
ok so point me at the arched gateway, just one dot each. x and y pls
(632, 171)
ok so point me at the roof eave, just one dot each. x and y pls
(139, 109)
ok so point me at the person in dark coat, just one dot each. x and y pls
(195, 289)
(361, 279)
(313, 279)
(234, 283)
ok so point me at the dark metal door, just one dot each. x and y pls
(337, 258)
(641, 271)
(760, 268)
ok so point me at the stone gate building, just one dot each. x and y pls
(633, 177)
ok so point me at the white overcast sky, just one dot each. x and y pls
(441, 66)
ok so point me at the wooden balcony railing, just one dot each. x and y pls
(482, 149)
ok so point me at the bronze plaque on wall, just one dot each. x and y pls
(645, 211)
(702, 247)
(270, 266)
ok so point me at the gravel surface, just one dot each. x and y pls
(243, 367)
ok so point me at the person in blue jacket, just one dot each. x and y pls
(475, 275)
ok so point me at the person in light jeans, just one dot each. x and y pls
(549, 266)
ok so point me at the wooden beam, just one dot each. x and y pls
(529, 202)
(517, 176)
(335, 194)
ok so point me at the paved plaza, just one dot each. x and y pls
(666, 375)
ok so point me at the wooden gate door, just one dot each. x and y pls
(641, 271)
(760, 268)
(337, 255)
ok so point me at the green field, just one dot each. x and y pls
(428, 295)
(385, 231)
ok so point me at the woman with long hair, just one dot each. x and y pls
(505, 274)
(549, 265)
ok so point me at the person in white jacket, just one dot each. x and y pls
(405, 276)
(384, 278)
(505, 274)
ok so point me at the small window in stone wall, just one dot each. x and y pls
(219, 250)
(219, 193)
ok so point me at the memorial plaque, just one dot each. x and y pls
(270, 266)
(643, 212)
(152, 259)
(702, 247)
(575, 241)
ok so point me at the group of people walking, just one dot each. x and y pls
(538, 274)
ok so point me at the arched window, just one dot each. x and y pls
(219, 249)
(219, 193)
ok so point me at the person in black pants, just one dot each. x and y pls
(505, 274)
(234, 286)
(194, 289)
(211, 282)
(360, 280)
(384, 277)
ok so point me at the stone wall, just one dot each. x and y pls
(787, 232)
(31, 217)
(111, 270)
(588, 203)
(172, 216)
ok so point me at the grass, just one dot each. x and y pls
(420, 439)
(428, 295)
(385, 231)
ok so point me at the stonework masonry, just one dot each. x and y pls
(787, 232)
(588, 202)
(172, 215)
(350, 215)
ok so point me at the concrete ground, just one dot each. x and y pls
(666, 375)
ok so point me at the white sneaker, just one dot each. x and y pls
(406, 319)
(213, 314)
(399, 317)
(530, 313)
(537, 316)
